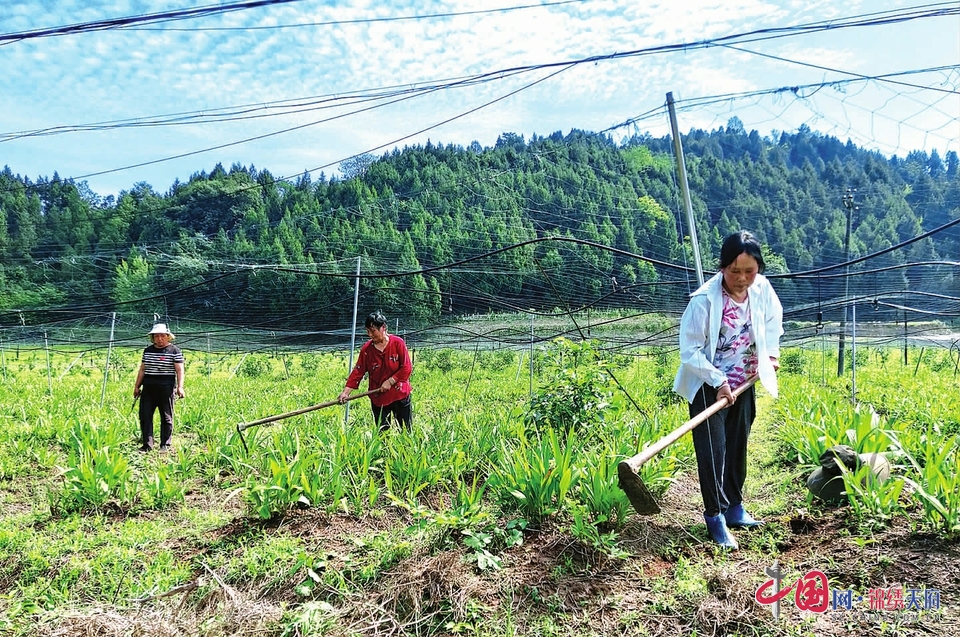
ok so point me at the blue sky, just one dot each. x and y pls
(326, 54)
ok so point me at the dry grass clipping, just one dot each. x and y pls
(220, 610)
(435, 584)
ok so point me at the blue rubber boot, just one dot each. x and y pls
(737, 517)
(717, 528)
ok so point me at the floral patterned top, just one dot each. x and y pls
(736, 354)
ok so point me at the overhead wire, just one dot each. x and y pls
(863, 20)
(328, 23)
(822, 84)
(689, 104)
(117, 23)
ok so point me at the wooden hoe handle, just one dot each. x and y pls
(329, 403)
(638, 460)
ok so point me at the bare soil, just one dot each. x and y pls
(674, 582)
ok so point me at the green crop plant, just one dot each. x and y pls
(409, 467)
(460, 448)
(936, 483)
(189, 464)
(467, 502)
(97, 471)
(658, 472)
(83, 434)
(254, 366)
(812, 426)
(924, 405)
(358, 450)
(309, 363)
(231, 456)
(291, 477)
(437, 359)
(866, 430)
(874, 502)
(14, 451)
(353, 459)
(792, 361)
(476, 440)
(598, 490)
(468, 464)
(587, 528)
(162, 488)
(465, 511)
(535, 476)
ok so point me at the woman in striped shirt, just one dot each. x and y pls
(159, 383)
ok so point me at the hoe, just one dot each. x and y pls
(640, 497)
(246, 425)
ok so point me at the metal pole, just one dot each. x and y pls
(685, 189)
(106, 368)
(904, 332)
(532, 317)
(823, 359)
(848, 204)
(853, 354)
(46, 349)
(353, 334)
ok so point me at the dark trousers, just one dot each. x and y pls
(721, 447)
(402, 410)
(152, 398)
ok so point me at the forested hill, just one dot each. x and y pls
(187, 252)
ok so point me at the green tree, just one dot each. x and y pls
(133, 280)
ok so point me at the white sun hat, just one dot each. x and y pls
(160, 328)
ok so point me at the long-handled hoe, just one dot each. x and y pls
(246, 425)
(628, 470)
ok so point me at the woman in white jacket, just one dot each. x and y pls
(730, 331)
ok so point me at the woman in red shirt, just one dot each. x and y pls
(386, 359)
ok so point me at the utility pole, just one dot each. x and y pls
(848, 203)
(684, 188)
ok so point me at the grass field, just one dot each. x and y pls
(498, 513)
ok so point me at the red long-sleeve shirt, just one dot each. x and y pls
(393, 361)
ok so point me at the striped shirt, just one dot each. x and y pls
(158, 365)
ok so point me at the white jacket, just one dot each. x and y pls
(700, 331)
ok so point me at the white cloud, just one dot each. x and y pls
(127, 74)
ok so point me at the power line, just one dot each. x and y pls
(863, 20)
(407, 18)
(258, 110)
(797, 90)
(116, 23)
(884, 78)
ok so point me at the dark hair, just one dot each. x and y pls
(739, 243)
(375, 319)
